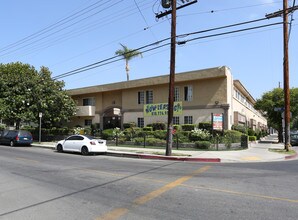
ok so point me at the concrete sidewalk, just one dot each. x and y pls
(256, 152)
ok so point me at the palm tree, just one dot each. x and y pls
(127, 54)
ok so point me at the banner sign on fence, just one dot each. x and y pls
(161, 109)
(217, 121)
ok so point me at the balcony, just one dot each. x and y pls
(85, 110)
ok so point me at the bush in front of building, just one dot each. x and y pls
(188, 127)
(199, 135)
(133, 132)
(205, 126)
(240, 128)
(203, 145)
(149, 141)
(108, 134)
(129, 125)
(231, 136)
(160, 134)
(252, 138)
(182, 137)
(157, 126)
(147, 128)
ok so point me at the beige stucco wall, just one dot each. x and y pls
(213, 92)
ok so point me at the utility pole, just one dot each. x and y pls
(173, 5)
(286, 75)
(171, 82)
(285, 13)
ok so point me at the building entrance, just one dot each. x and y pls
(112, 118)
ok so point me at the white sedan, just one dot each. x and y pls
(82, 143)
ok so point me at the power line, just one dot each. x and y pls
(230, 32)
(77, 31)
(49, 28)
(59, 30)
(112, 59)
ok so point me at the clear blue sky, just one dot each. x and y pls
(61, 35)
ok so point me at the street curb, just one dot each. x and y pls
(291, 156)
(158, 157)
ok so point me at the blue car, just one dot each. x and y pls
(16, 137)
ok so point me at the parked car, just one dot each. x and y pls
(16, 137)
(294, 139)
(84, 144)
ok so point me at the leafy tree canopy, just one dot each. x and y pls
(272, 101)
(25, 92)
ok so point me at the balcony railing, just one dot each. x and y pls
(85, 110)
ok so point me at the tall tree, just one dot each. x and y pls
(127, 55)
(25, 92)
(272, 104)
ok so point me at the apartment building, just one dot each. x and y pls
(197, 95)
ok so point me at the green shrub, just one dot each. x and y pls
(233, 136)
(240, 128)
(155, 141)
(251, 132)
(147, 129)
(188, 127)
(157, 126)
(149, 141)
(177, 127)
(182, 137)
(205, 126)
(252, 138)
(160, 134)
(129, 125)
(199, 135)
(108, 134)
(203, 145)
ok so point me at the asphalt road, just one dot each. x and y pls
(39, 183)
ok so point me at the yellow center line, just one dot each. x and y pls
(143, 199)
(117, 213)
(207, 188)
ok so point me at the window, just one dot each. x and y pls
(88, 122)
(75, 138)
(176, 120)
(176, 94)
(188, 93)
(88, 102)
(140, 122)
(141, 97)
(149, 97)
(188, 120)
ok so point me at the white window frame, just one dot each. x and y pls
(149, 97)
(141, 97)
(188, 119)
(188, 91)
(176, 120)
(176, 94)
(140, 122)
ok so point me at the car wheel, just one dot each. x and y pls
(59, 148)
(84, 150)
(11, 143)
